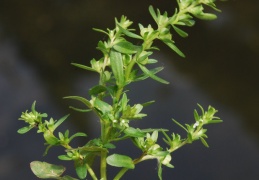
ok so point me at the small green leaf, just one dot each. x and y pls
(204, 142)
(100, 30)
(84, 67)
(25, 129)
(132, 132)
(148, 103)
(102, 106)
(81, 169)
(180, 125)
(97, 90)
(152, 12)
(50, 138)
(80, 110)
(60, 121)
(152, 75)
(118, 160)
(180, 32)
(170, 43)
(65, 158)
(145, 76)
(33, 107)
(159, 171)
(117, 67)
(196, 115)
(109, 146)
(215, 121)
(79, 134)
(81, 99)
(45, 170)
(128, 33)
(126, 47)
(206, 16)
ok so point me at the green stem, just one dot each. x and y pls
(91, 172)
(103, 165)
(105, 135)
(121, 173)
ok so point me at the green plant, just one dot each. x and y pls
(123, 63)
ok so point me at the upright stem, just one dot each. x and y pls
(104, 137)
(103, 165)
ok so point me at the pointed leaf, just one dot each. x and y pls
(79, 134)
(60, 121)
(84, 67)
(102, 106)
(152, 75)
(97, 90)
(24, 129)
(204, 142)
(128, 33)
(117, 67)
(152, 12)
(45, 170)
(118, 160)
(170, 43)
(81, 99)
(80, 110)
(33, 107)
(126, 47)
(144, 76)
(180, 32)
(132, 132)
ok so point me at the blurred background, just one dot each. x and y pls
(39, 39)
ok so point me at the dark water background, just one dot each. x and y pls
(39, 40)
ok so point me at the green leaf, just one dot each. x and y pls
(215, 121)
(206, 16)
(180, 32)
(60, 121)
(118, 160)
(152, 12)
(24, 130)
(148, 103)
(81, 99)
(204, 142)
(152, 75)
(132, 132)
(170, 43)
(102, 106)
(65, 158)
(128, 33)
(84, 67)
(143, 57)
(159, 171)
(109, 146)
(196, 115)
(117, 67)
(180, 125)
(81, 169)
(80, 110)
(45, 170)
(97, 90)
(33, 107)
(79, 134)
(100, 30)
(126, 47)
(144, 76)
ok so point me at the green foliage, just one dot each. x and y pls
(123, 63)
